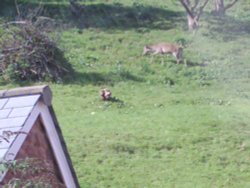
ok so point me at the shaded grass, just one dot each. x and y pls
(116, 15)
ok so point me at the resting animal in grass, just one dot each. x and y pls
(105, 94)
(164, 48)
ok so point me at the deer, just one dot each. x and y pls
(164, 48)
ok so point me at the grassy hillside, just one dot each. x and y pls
(172, 125)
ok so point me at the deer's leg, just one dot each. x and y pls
(176, 57)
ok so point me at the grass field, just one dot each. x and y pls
(172, 125)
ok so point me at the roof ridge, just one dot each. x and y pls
(43, 90)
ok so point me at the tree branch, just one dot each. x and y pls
(13, 22)
(17, 9)
(230, 4)
(201, 10)
(187, 8)
(195, 4)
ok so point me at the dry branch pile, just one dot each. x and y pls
(27, 53)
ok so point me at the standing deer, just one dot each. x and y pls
(164, 48)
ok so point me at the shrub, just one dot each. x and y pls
(30, 173)
(28, 54)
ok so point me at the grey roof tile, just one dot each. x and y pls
(12, 122)
(13, 113)
(23, 101)
(3, 102)
(9, 134)
(5, 113)
(2, 154)
(20, 112)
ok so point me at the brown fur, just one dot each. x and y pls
(105, 94)
(164, 48)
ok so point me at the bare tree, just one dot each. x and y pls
(194, 11)
(221, 8)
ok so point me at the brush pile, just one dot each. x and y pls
(29, 54)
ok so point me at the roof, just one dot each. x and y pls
(13, 113)
(19, 109)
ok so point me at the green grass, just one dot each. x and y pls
(172, 125)
(160, 139)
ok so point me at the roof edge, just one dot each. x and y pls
(44, 90)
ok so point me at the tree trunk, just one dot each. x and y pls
(192, 23)
(193, 12)
(219, 8)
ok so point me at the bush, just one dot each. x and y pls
(28, 54)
